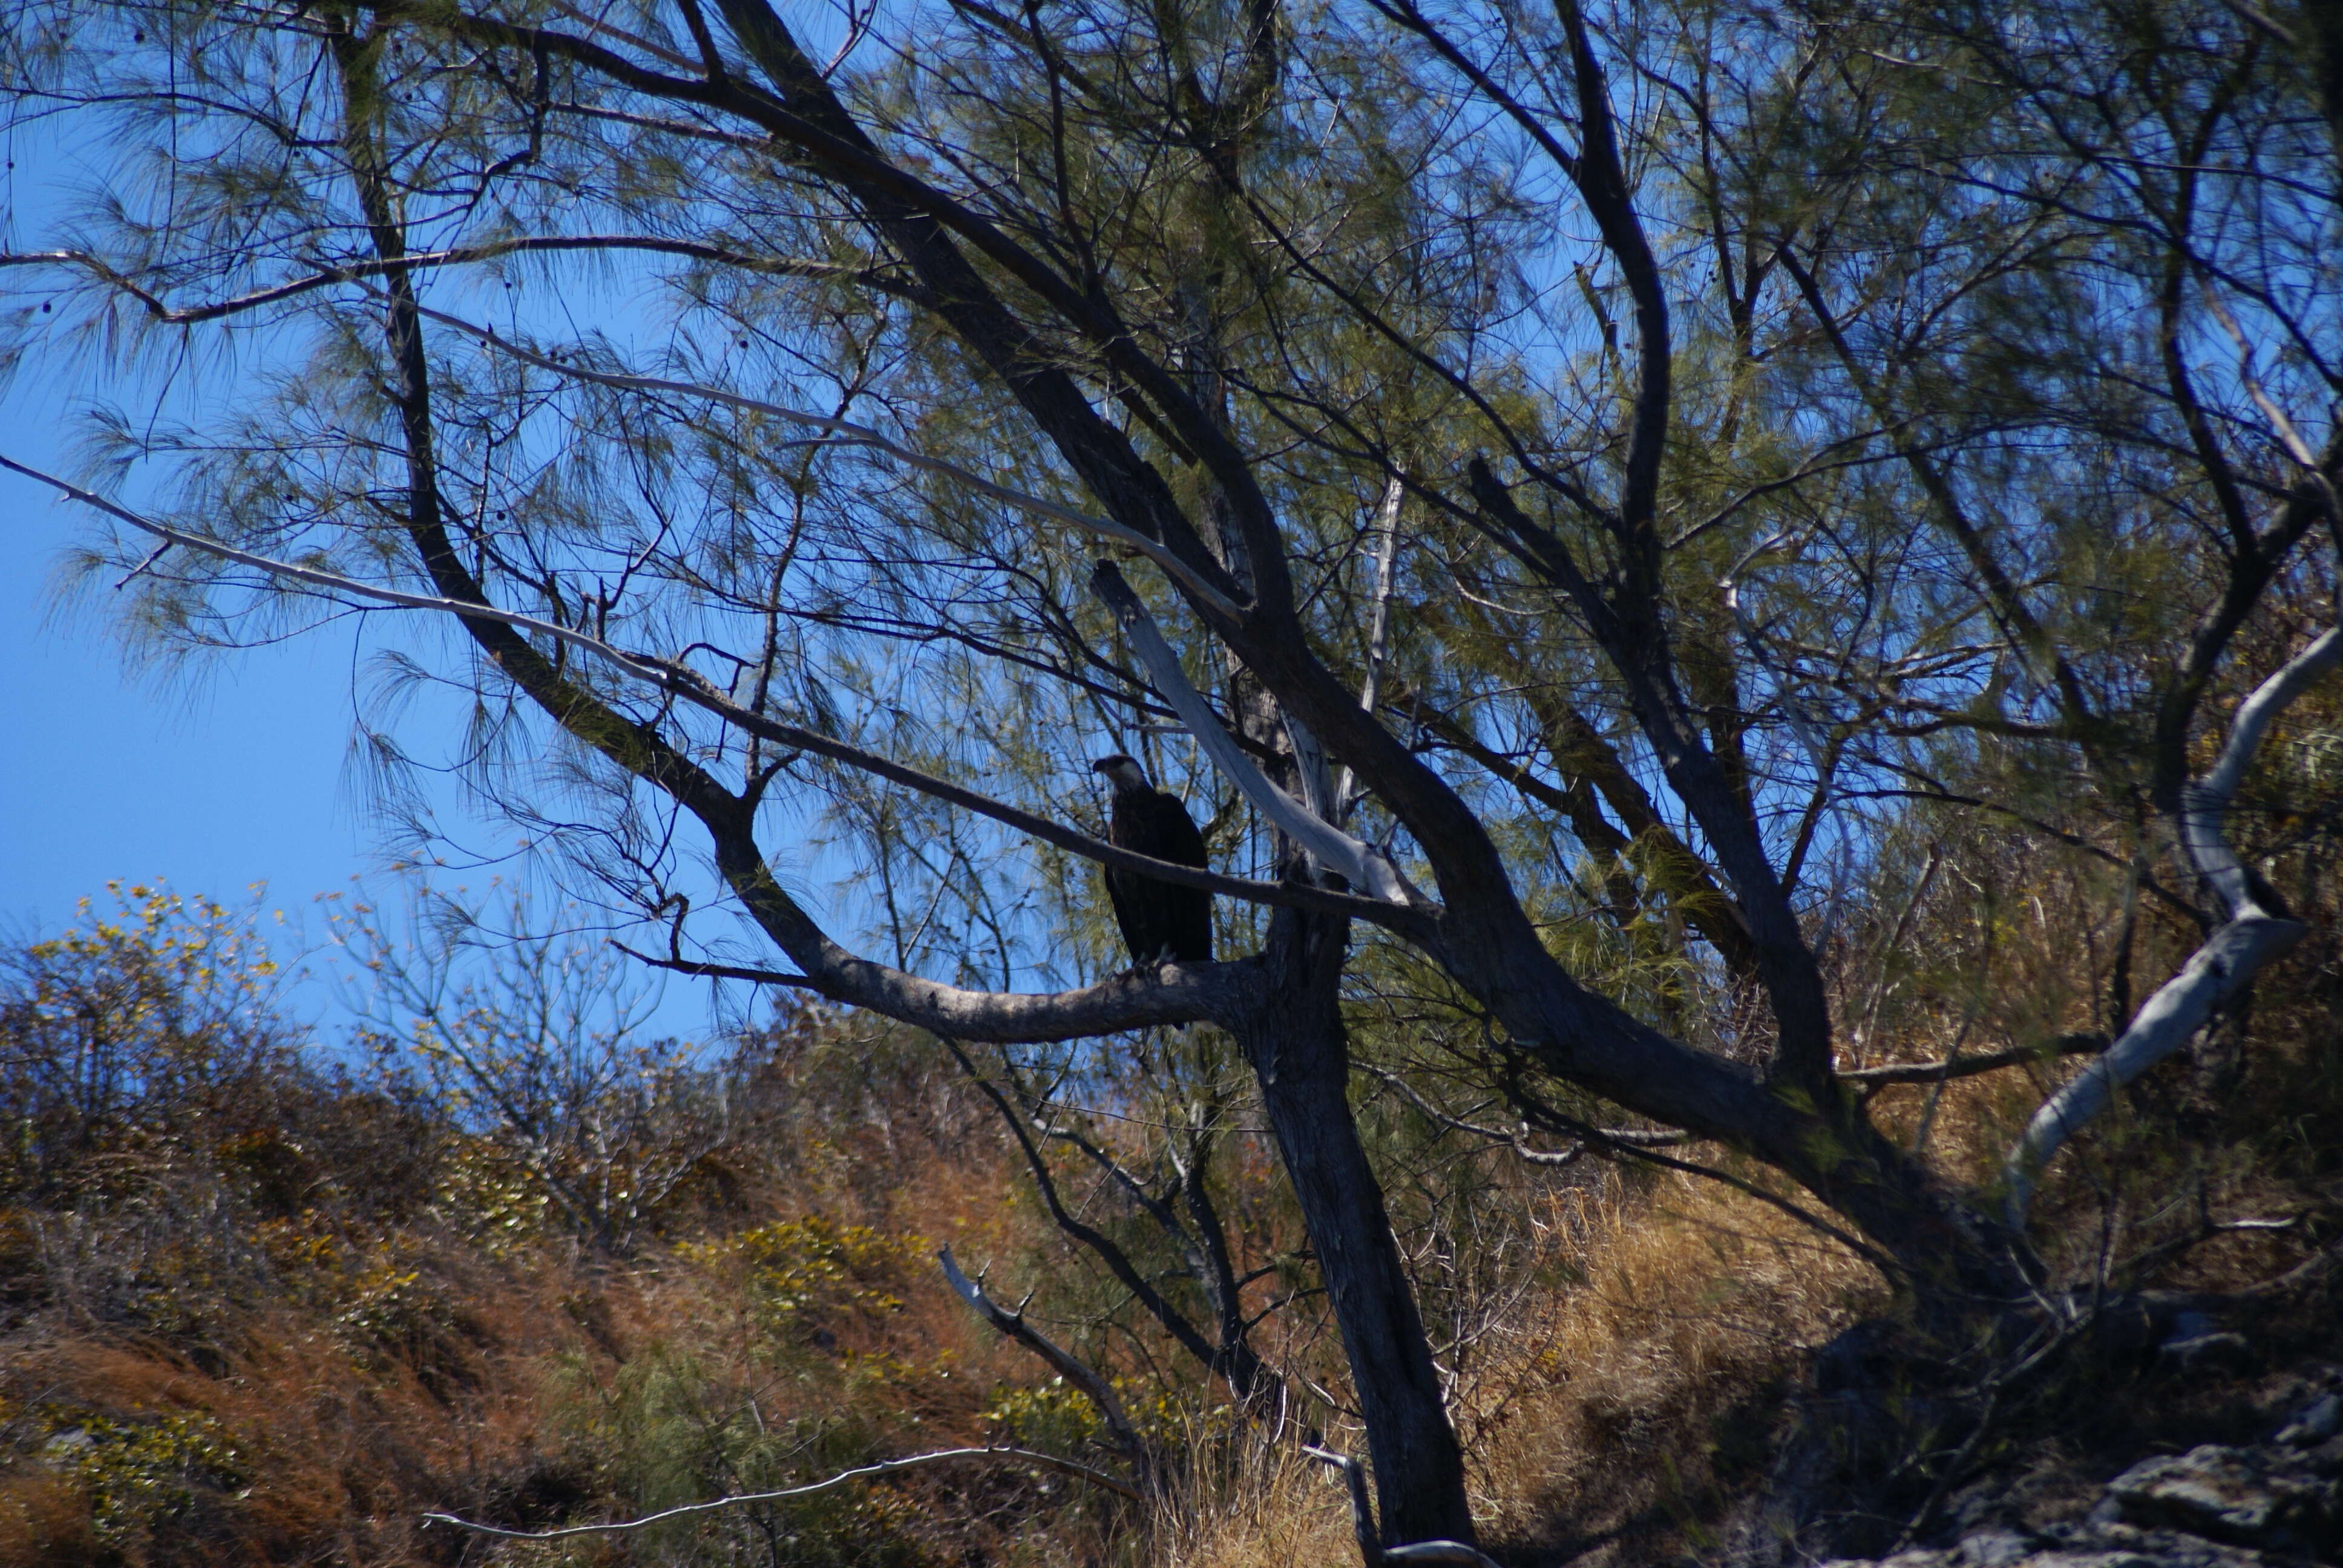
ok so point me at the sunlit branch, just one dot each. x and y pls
(885, 1466)
(1378, 625)
(1009, 1323)
(1358, 863)
(2224, 965)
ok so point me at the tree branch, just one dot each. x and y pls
(358, 271)
(1867, 1079)
(1359, 864)
(1012, 1325)
(1018, 1455)
(682, 681)
(2223, 966)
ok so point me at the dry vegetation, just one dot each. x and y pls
(267, 1303)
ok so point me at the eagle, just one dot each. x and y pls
(1159, 919)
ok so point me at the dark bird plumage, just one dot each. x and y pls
(1159, 920)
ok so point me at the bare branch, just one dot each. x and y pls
(1099, 1478)
(2219, 969)
(2204, 803)
(1361, 865)
(358, 271)
(1064, 1362)
(1868, 1079)
(2215, 971)
(1379, 626)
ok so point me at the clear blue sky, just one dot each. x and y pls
(218, 776)
(231, 777)
(215, 782)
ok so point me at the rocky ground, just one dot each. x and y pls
(2260, 1505)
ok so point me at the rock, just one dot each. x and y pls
(2079, 1546)
(2226, 1494)
(2173, 1549)
(1993, 1548)
(2315, 1423)
(2207, 1352)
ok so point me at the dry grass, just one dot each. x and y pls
(1275, 1509)
(305, 1389)
(1640, 1396)
(192, 1373)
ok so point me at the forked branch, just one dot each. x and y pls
(2222, 967)
(1358, 863)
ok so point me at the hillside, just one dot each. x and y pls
(270, 1303)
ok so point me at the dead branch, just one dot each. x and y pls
(1064, 1362)
(1018, 1455)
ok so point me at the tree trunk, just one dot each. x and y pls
(1296, 1047)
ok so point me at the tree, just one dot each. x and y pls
(533, 1038)
(156, 1023)
(1686, 445)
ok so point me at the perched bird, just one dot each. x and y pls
(1159, 920)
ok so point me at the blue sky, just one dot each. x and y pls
(217, 778)
(221, 778)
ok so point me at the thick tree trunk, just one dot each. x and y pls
(1296, 1046)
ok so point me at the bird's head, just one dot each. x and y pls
(1121, 772)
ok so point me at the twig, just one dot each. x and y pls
(1952, 1472)
(1020, 1455)
(720, 971)
(1869, 1080)
(1363, 1507)
(1632, 1137)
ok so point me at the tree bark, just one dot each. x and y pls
(1295, 1043)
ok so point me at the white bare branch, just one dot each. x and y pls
(885, 1466)
(2204, 804)
(1010, 1323)
(2223, 966)
(1378, 627)
(1358, 863)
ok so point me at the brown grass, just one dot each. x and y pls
(1637, 1400)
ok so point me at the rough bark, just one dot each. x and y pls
(1297, 1047)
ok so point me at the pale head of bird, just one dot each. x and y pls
(1121, 772)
